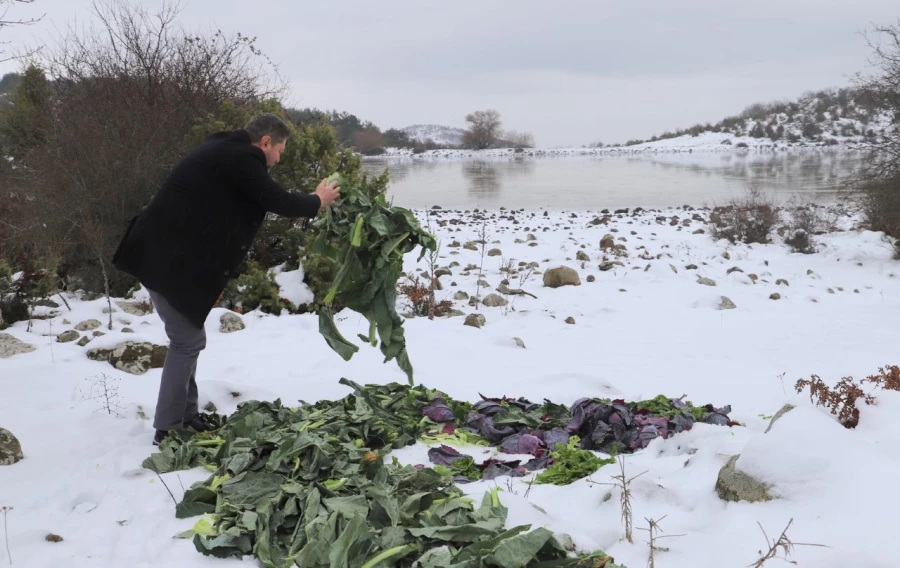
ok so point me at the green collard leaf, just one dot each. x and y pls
(249, 490)
(348, 507)
(464, 533)
(520, 550)
(196, 501)
(354, 533)
(333, 336)
(223, 545)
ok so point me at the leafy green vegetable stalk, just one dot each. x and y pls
(368, 239)
(571, 464)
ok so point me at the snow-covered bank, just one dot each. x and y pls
(706, 143)
(641, 328)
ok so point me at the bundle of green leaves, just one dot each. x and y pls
(368, 239)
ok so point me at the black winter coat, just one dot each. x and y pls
(191, 238)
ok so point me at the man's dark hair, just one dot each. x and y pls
(267, 124)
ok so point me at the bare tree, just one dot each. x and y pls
(519, 139)
(126, 98)
(882, 88)
(5, 21)
(878, 185)
(484, 129)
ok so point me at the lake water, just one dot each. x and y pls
(596, 182)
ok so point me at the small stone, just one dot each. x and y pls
(53, 538)
(753, 277)
(461, 296)
(127, 330)
(88, 325)
(734, 269)
(830, 291)
(210, 407)
(230, 322)
(591, 278)
(474, 320)
(98, 333)
(726, 304)
(83, 341)
(706, 281)
(531, 237)
(726, 256)
(570, 320)
(856, 290)
(609, 265)
(691, 267)
(582, 256)
(699, 232)
(607, 242)
(519, 342)
(471, 246)
(532, 244)
(495, 252)
(494, 301)
(483, 283)
(10, 448)
(781, 282)
(775, 296)
(67, 336)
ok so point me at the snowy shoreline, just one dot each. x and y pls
(705, 143)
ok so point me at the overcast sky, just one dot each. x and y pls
(571, 72)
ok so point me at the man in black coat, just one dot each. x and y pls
(191, 238)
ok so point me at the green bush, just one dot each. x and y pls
(255, 289)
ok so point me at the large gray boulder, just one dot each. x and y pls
(735, 485)
(11, 345)
(10, 449)
(131, 357)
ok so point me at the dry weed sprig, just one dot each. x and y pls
(482, 237)
(784, 543)
(624, 485)
(654, 530)
(167, 489)
(5, 510)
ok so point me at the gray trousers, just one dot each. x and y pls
(177, 401)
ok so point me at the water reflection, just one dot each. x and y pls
(487, 177)
(614, 181)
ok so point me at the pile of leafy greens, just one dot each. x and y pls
(368, 239)
(315, 485)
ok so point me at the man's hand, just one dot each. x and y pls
(328, 193)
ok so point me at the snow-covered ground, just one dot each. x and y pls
(643, 329)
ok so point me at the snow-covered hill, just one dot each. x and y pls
(441, 135)
(838, 118)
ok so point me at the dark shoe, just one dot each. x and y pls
(159, 437)
(199, 424)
